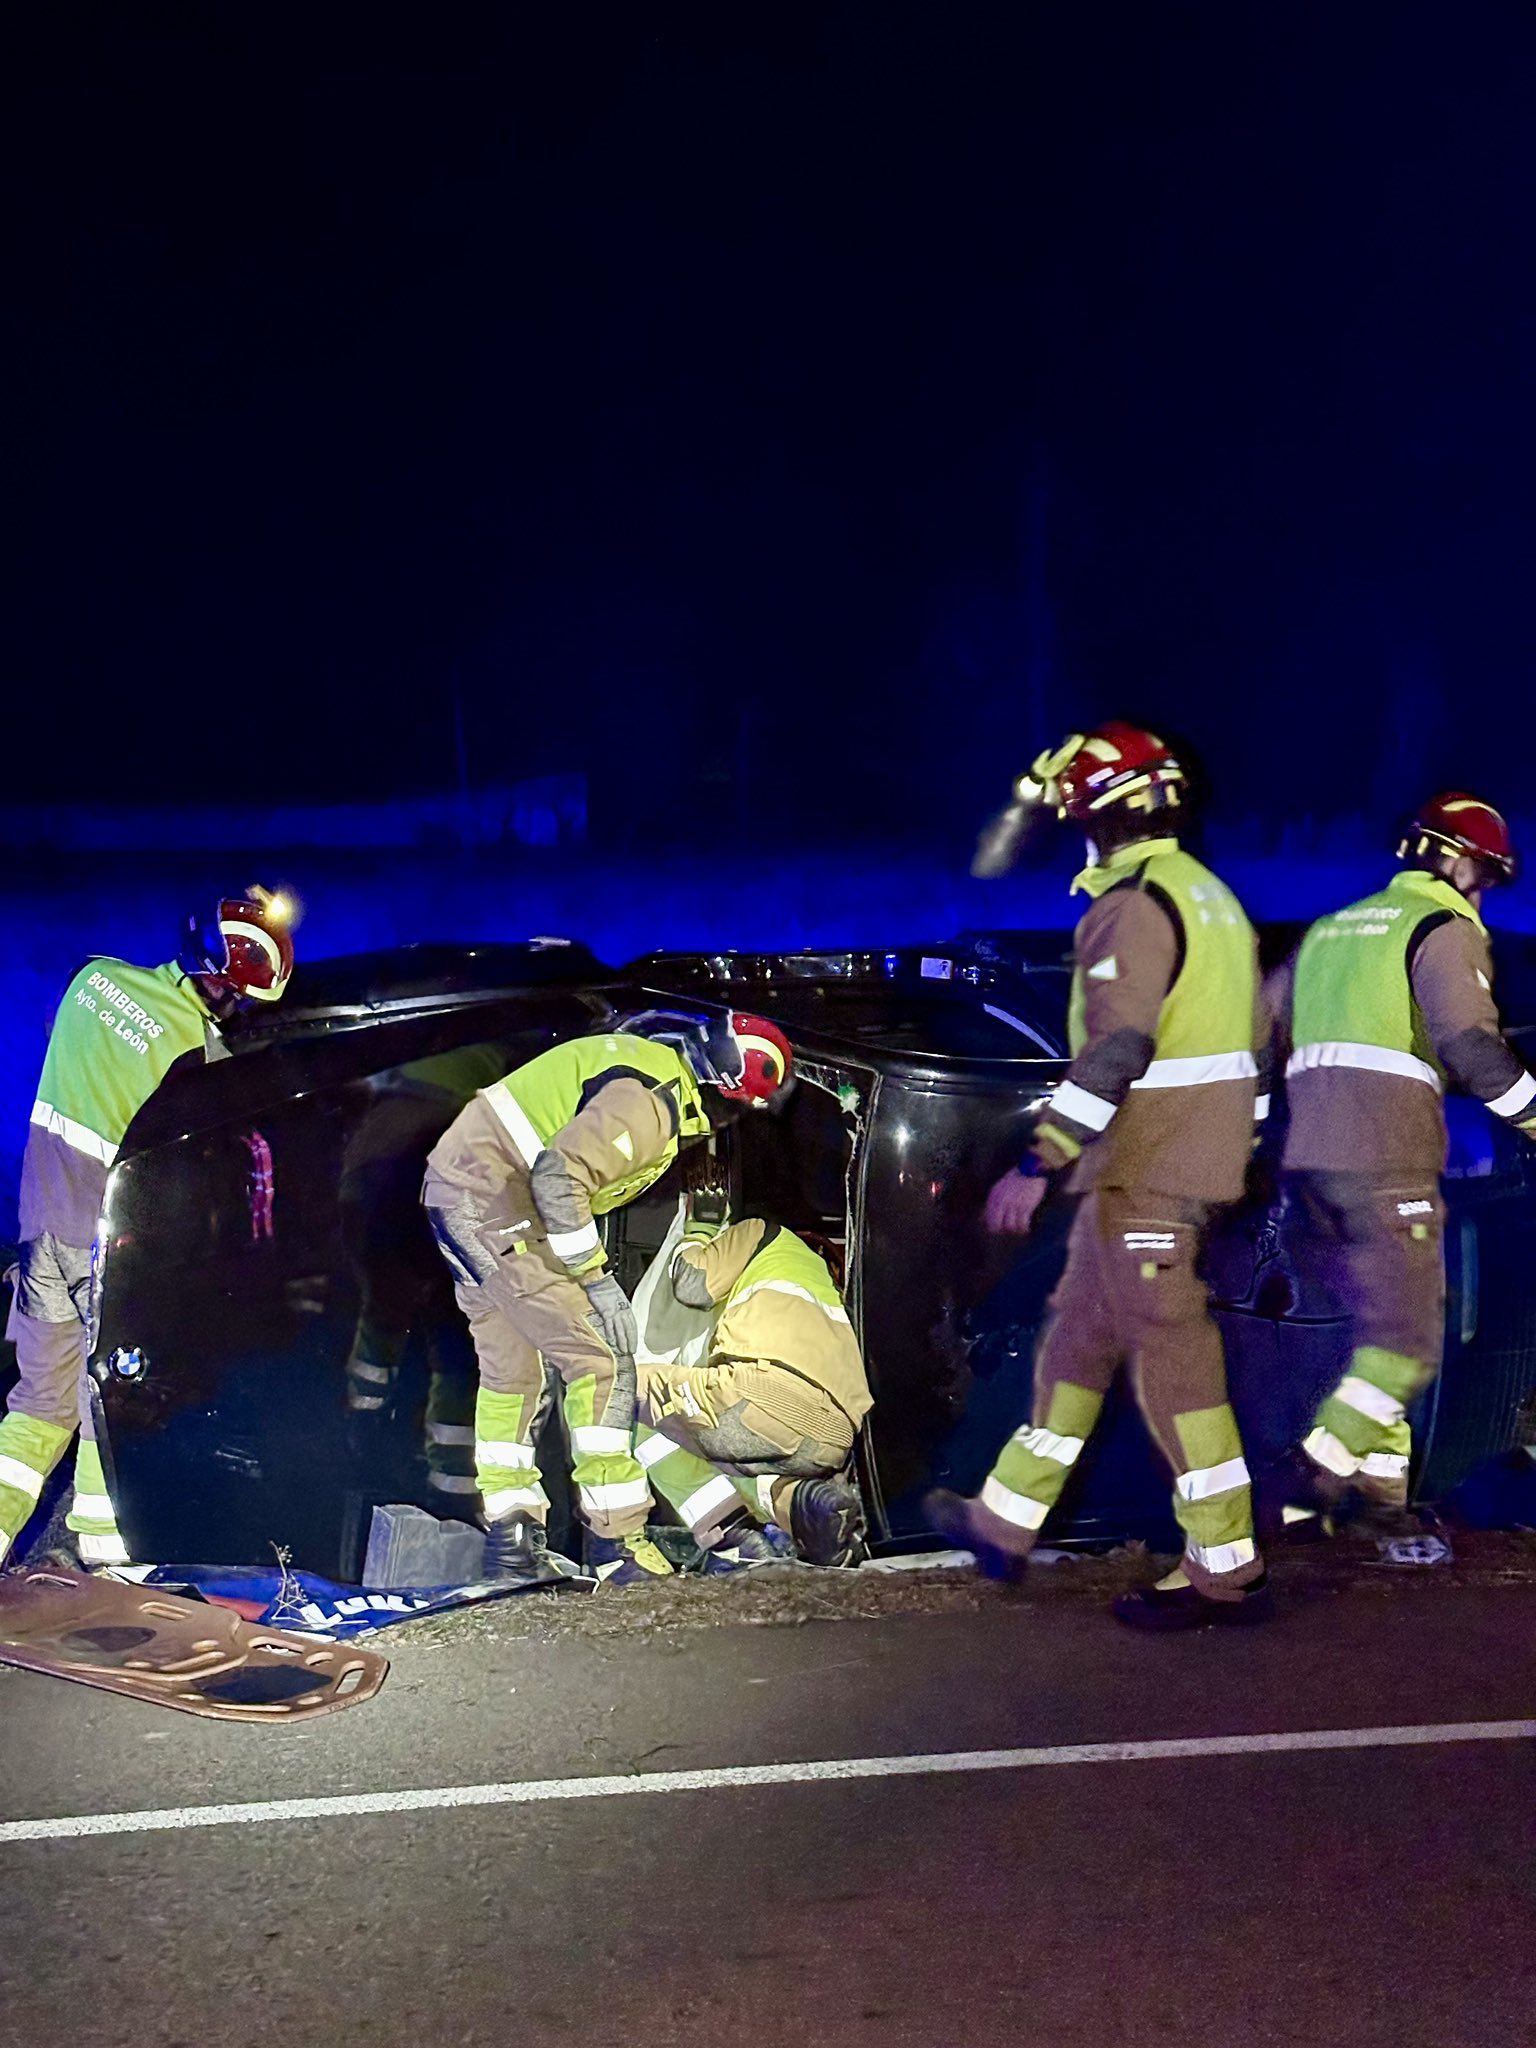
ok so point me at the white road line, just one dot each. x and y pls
(746, 1777)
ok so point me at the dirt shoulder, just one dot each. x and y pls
(787, 1596)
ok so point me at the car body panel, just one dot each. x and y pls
(264, 1203)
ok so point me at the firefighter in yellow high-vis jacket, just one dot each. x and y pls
(1152, 1128)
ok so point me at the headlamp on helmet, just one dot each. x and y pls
(1115, 765)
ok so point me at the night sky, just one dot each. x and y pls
(808, 410)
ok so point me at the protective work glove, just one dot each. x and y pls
(709, 1210)
(610, 1312)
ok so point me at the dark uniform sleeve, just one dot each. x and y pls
(1127, 953)
(625, 1127)
(1452, 975)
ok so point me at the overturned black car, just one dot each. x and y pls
(264, 1211)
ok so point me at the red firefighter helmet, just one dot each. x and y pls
(1112, 765)
(247, 944)
(766, 1060)
(1455, 824)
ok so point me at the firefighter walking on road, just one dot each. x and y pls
(761, 1431)
(1383, 1004)
(513, 1190)
(1153, 1127)
(118, 1032)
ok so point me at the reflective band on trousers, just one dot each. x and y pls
(76, 1136)
(1224, 1557)
(449, 1433)
(452, 1482)
(699, 1506)
(597, 1440)
(1375, 1059)
(624, 1493)
(652, 1449)
(837, 1315)
(515, 1455)
(514, 1120)
(1017, 1508)
(1044, 1443)
(1516, 1098)
(103, 1549)
(1211, 1480)
(14, 1474)
(1323, 1446)
(572, 1245)
(512, 1498)
(5, 1544)
(1081, 1106)
(1368, 1400)
(1383, 1465)
(92, 1507)
(1197, 1071)
(379, 1375)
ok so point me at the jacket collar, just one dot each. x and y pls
(1101, 875)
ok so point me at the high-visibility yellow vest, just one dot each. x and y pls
(538, 1099)
(1206, 1024)
(1353, 1004)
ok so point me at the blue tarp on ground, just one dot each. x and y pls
(310, 1605)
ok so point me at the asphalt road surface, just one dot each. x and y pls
(1048, 1875)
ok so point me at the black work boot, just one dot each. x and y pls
(1175, 1607)
(516, 1549)
(742, 1546)
(826, 1520)
(1295, 1499)
(966, 1522)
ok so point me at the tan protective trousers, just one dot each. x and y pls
(1376, 1241)
(523, 1308)
(51, 1399)
(736, 1430)
(1131, 1293)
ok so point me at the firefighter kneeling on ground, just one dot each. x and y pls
(752, 1446)
(1154, 1122)
(118, 1032)
(512, 1191)
(1383, 1003)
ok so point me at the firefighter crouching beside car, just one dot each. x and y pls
(762, 1431)
(1154, 1124)
(512, 1190)
(118, 1032)
(1382, 1004)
